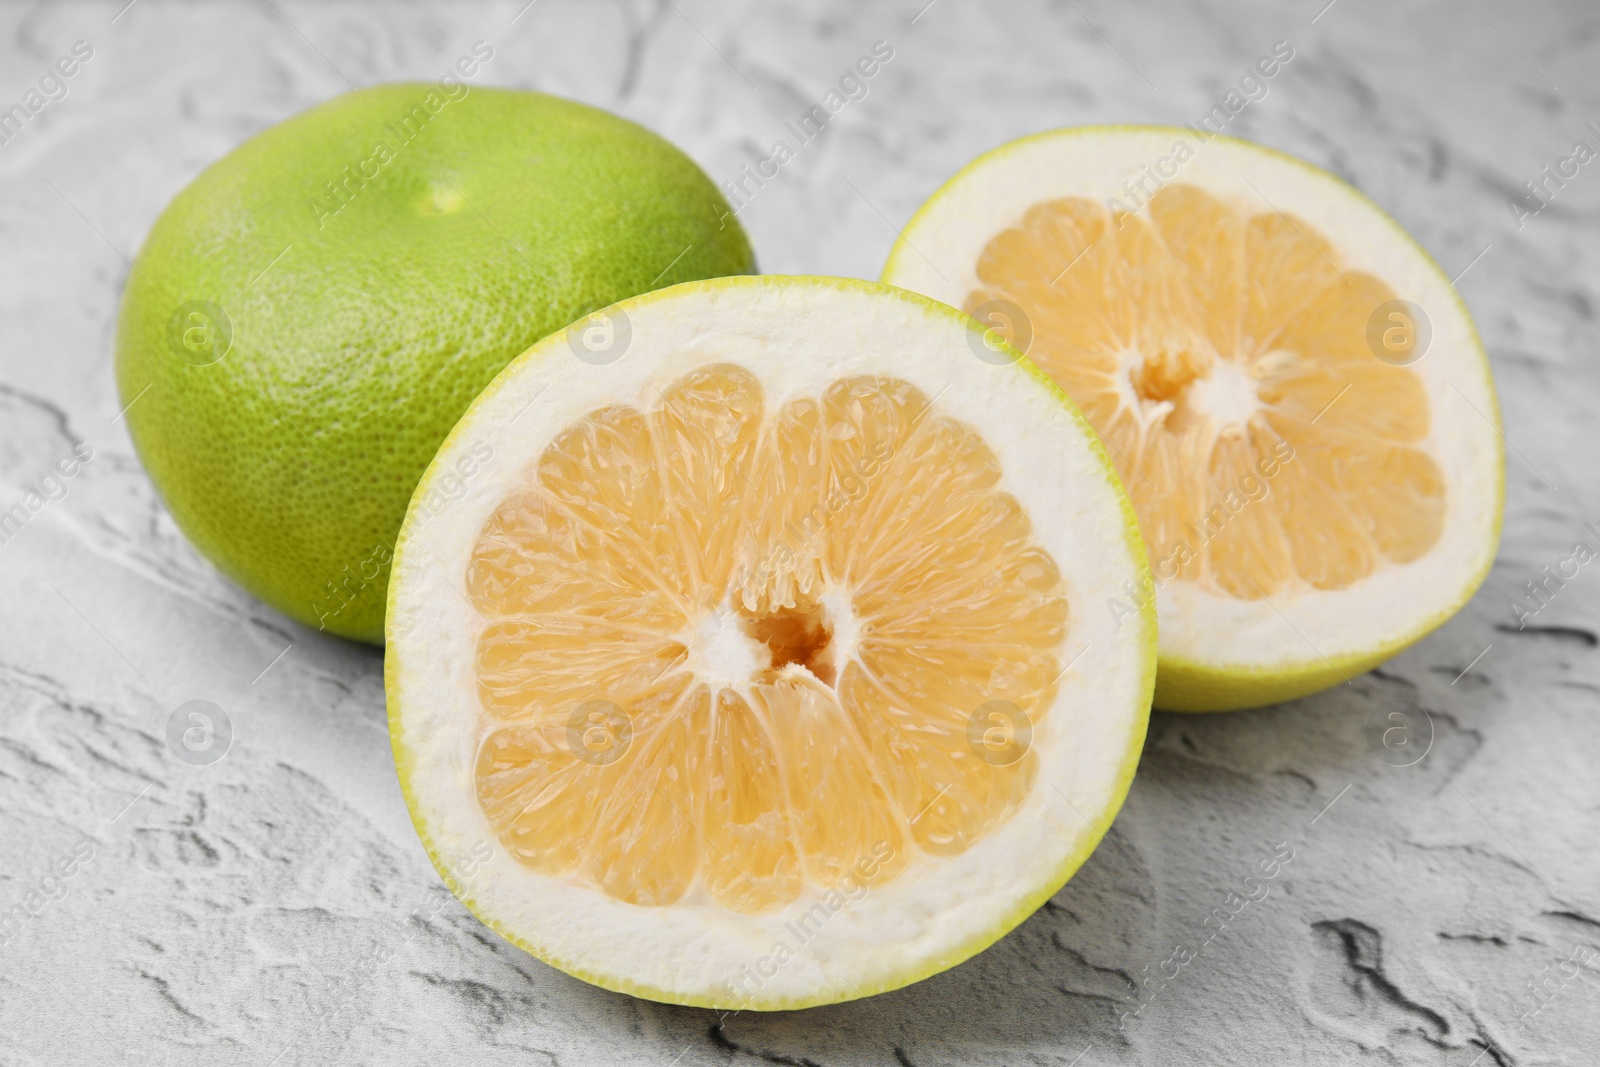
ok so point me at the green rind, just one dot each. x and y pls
(1146, 642)
(360, 335)
(1184, 685)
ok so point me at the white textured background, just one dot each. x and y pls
(275, 907)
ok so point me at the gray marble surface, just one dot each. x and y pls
(274, 907)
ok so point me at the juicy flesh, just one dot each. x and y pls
(736, 651)
(1223, 357)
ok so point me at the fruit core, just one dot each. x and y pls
(732, 645)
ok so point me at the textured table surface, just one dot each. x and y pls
(275, 906)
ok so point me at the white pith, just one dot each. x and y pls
(796, 336)
(844, 626)
(1226, 396)
(721, 654)
(1306, 628)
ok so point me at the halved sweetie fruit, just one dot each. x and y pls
(1292, 391)
(743, 646)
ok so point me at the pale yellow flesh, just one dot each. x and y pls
(1223, 355)
(799, 611)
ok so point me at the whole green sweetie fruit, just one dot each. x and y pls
(308, 319)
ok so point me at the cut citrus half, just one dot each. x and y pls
(741, 650)
(1292, 391)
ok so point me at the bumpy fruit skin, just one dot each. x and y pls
(363, 270)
